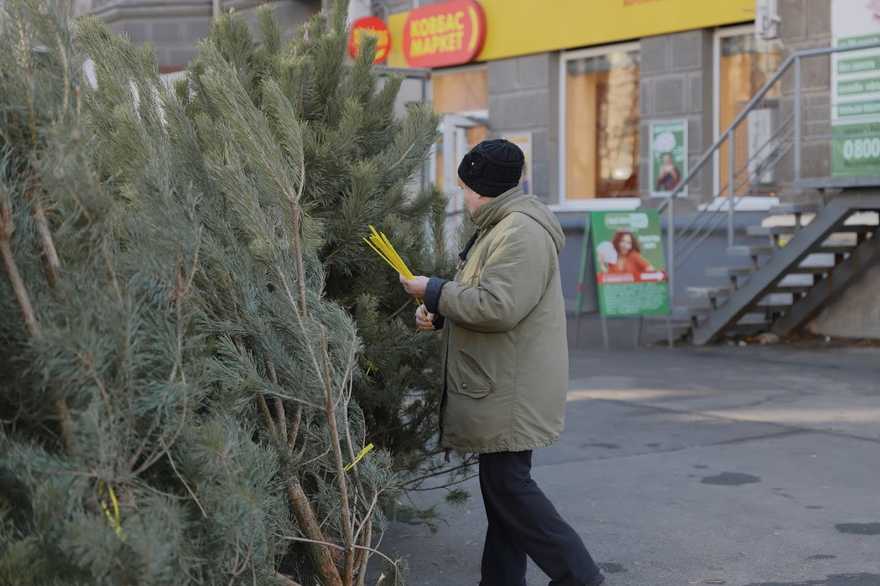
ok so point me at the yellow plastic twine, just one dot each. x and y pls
(113, 517)
(383, 247)
(367, 449)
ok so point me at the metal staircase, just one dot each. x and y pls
(778, 273)
(782, 287)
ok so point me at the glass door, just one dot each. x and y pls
(743, 64)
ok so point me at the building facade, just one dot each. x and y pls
(615, 102)
(174, 27)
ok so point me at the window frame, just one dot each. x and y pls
(721, 34)
(590, 203)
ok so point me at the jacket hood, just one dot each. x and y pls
(513, 201)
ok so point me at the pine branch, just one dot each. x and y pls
(182, 479)
(338, 547)
(22, 296)
(330, 408)
(293, 432)
(18, 285)
(299, 503)
(365, 554)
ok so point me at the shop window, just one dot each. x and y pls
(601, 124)
(461, 97)
(744, 63)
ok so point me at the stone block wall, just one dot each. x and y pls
(806, 24)
(676, 83)
(856, 314)
(174, 27)
(524, 96)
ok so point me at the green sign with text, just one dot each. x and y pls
(630, 264)
(855, 90)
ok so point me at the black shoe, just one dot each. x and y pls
(599, 579)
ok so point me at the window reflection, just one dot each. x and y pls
(746, 63)
(602, 125)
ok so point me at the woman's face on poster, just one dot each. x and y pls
(626, 244)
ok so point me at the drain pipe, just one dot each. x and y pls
(215, 13)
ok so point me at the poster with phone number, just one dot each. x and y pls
(630, 263)
(855, 89)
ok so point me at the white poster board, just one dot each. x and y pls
(855, 89)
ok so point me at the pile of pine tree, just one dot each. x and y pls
(195, 346)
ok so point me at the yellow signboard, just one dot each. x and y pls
(523, 27)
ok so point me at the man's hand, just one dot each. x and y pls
(424, 319)
(416, 286)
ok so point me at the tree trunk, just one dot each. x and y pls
(307, 521)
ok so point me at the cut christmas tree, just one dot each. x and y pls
(360, 163)
(184, 393)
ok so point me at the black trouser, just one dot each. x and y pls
(522, 521)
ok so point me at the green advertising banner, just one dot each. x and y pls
(668, 156)
(630, 264)
(855, 87)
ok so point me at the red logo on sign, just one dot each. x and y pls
(445, 34)
(370, 26)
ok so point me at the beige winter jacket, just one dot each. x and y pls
(506, 355)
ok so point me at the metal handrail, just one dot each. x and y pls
(765, 89)
(668, 205)
(778, 135)
(709, 216)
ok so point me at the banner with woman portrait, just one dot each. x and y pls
(630, 263)
(668, 152)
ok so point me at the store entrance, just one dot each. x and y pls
(458, 134)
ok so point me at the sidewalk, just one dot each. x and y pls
(755, 466)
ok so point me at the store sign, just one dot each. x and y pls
(439, 35)
(668, 157)
(630, 264)
(368, 27)
(855, 89)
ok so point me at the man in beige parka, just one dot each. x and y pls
(505, 366)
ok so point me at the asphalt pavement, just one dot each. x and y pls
(755, 466)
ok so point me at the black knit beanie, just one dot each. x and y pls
(492, 167)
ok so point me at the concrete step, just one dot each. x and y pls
(677, 313)
(864, 217)
(753, 250)
(729, 272)
(819, 260)
(793, 289)
(772, 309)
(771, 230)
(792, 280)
(776, 299)
(744, 330)
(753, 319)
(812, 270)
(794, 208)
(718, 294)
(856, 229)
(835, 248)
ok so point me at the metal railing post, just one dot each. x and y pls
(670, 251)
(731, 182)
(670, 245)
(797, 118)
